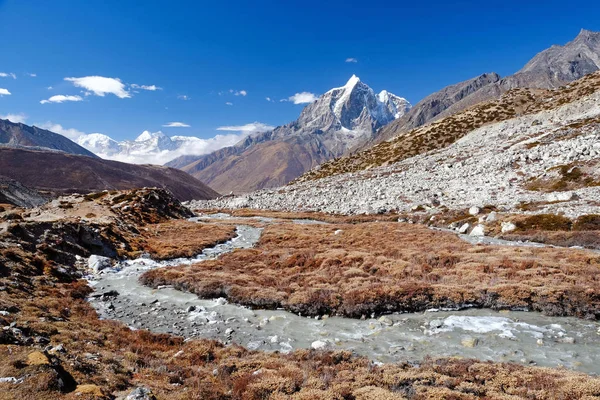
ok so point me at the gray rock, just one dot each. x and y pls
(99, 263)
(140, 393)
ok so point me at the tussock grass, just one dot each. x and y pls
(383, 267)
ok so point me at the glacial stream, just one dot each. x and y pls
(511, 336)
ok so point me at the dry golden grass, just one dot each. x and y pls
(181, 238)
(384, 267)
(318, 216)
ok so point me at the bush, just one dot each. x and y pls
(590, 222)
(545, 222)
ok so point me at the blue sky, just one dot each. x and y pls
(274, 49)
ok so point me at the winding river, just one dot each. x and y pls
(511, 336)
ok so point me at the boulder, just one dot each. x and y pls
(140, 393)
(478, 231)
(508, 227)
(99, 263)
(474, 210)
(464, 228)
(318, 345)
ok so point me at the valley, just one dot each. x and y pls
(370, 249)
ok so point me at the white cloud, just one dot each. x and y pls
(302, 98)
(100, 86)
(32, 75)
(229, 103)
(183, 97)
(60, 98)
(351, 60)
(235, 92)
(8, 74)
(176, 125)
(249, 128)
(49, 88)
(72, 134)
(4, 92)
(151, 88)
(15, 118)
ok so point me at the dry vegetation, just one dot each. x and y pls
(44, 307)
(384, 267)
(182, 238)
(567, 177)
(441, 134)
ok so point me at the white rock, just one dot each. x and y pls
(508, 227)
(560, 196)
(464, 228)
(274, 339)
(478, 231)
(318, 345)
(338, 232)
(99, 263)
(492, 217)
(221, 301)
(474, 210)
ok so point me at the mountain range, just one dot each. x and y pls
(352, 119)
(347, 128)
(549, 69)
(337, 121)
(153, 147)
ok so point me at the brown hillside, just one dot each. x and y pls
(68, 173)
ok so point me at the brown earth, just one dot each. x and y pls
(384, 267)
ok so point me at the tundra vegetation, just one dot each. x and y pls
(53, 346)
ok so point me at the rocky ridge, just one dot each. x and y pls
(18, 135)
(491, 164)
(551, 68)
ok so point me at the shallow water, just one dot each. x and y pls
(522, 337)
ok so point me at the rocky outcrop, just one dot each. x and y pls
(13, 192)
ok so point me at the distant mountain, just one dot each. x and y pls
(17, 135)
(58, 173)
(550, 69)
(147, 148)
(339, 120)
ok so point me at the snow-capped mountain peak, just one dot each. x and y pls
(353, 107)
(353, 81)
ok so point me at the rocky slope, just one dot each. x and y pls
(533, 149)
(14, 193)
(19, 135)
(552, 68)
(67, 173)
(340, 119)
